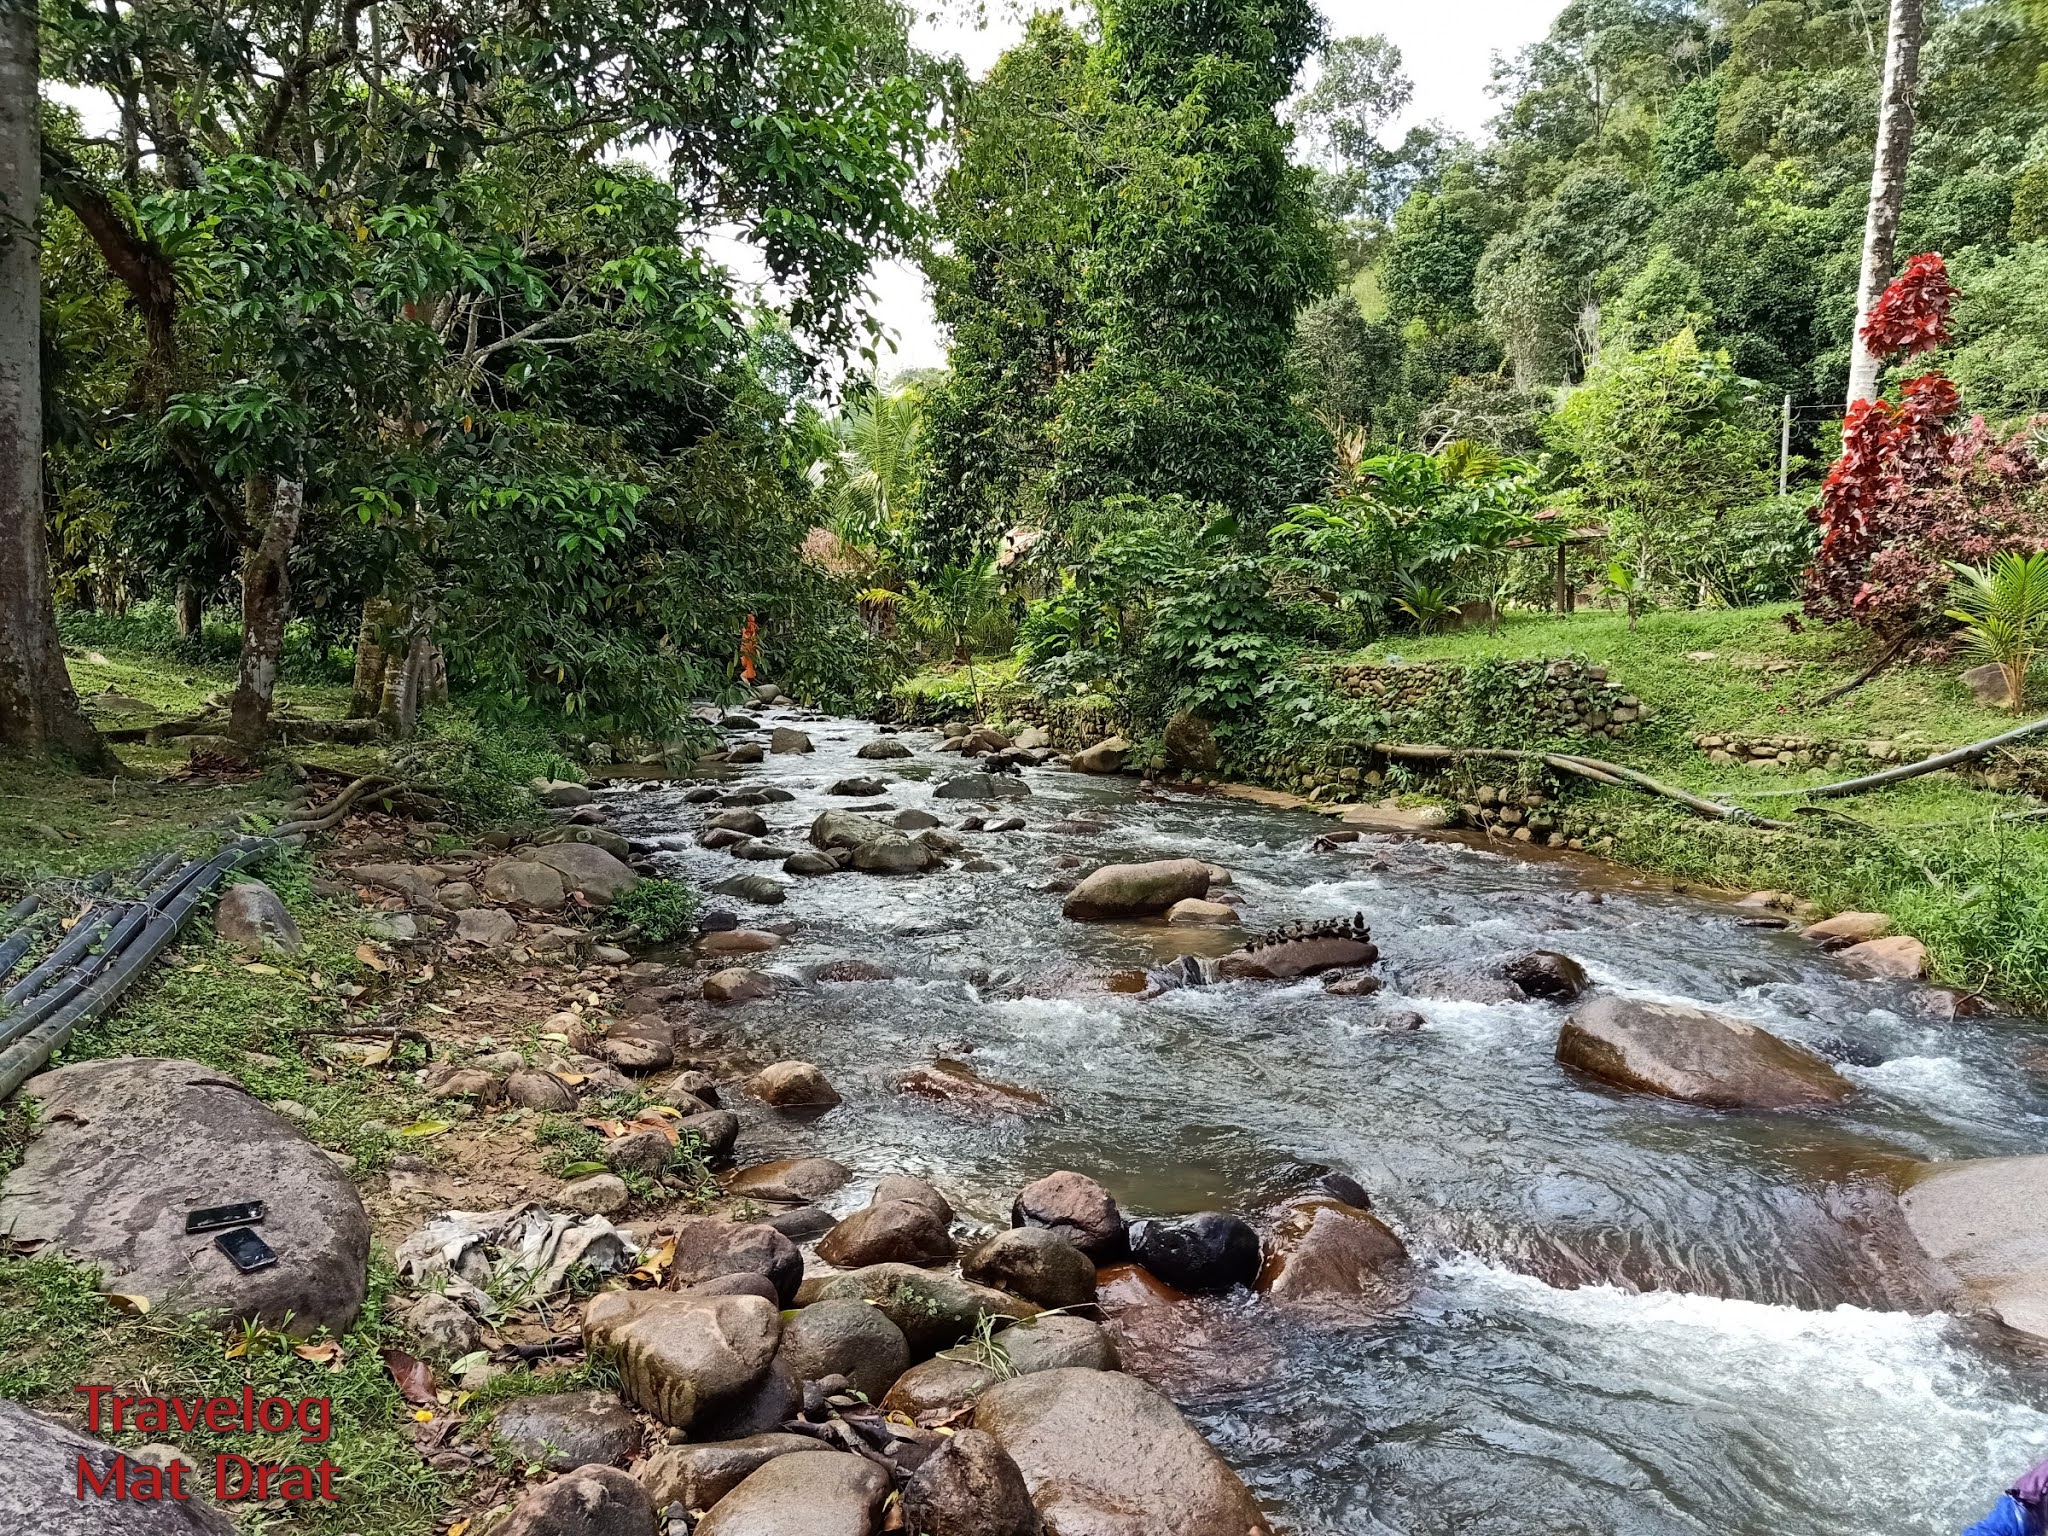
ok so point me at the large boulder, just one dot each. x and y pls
(707, 1247)
(1136, 890)
(888, 1232)
(682, 1358)
(1076, 1207)
(1699, 1057)
(251, 918)
(1900, 957)
(1037, 1263)
(1190, 745)
(788, 739)
(527, 883)
(1211, 1251)
(846, 1338)
(591, 1501)
(1056, 1341)
(1106, 756)
(814, 1493)
(872, 847)
(125, 1147)
(1106, 1455)
(698, 1476)
(40, 1464)
(970, 1488)
(1982, 1220)
(1327, 1248)
(588, 870)
(793, 1179)
(566, 1430)
(793, 1085)
(883, 749)
(761, 890)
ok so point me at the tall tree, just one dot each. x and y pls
(1887, 184)
(38, 709)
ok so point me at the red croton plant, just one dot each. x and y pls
(1910, 492)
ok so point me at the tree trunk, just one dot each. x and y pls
(39, 711)
(366, 696)
(189, 608)
(1887, 185)
(266, 604)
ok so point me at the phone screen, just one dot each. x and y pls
(245, 1250)
(215, 1217)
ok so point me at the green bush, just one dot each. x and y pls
(659, 911)
(485, 768)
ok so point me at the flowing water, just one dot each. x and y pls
(1633, 1317)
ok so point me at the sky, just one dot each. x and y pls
(1447, 47)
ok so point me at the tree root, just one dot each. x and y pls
(1598, 770)
(331, 814)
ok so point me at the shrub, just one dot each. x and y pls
(659, 911)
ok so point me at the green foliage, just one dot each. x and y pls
(658, 911)
(1666, 443)
(484, 767)
(2003, 611)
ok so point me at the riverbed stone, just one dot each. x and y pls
(873, 848)
(1900, 957)
(590, 1501)
(601, 1194)
(1329, 1248)
(643, 1152)
(698, 1476)
(1290, 958)
(790, 1178)
(809, 1493)
(737, 984)
(859, 788)
(1106, 1455)
(787, 739)
(741, 819)
(565, 1430)
(492, 927)
(682, 1357)
(539, 1090)
(715, 1131)
(1136, 890)
(760, 890)
(935, 1310)
(810, 864)
(793, 1085)
(957, 1084)
(888, 1232)
(970, 1488)
(252, 918)
(739, 941)
(1981, 1220)
(1037, 1263)
(1855, 927)
(846, 1338)
(1207, 1253)
(758, 850)
(1195, 912)
(708, 1247)
(983, 786)
(1075, 1206)
(1056, 1341)
(39, 1470)
(592, 873)
(526, 883)
(124, 1147)
(1546, 973)
(1106, 756)
(883, 749)
(1695, 1056)
(936, 1390)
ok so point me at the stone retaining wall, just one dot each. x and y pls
(1566, 695)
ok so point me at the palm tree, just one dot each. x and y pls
(876, 469)
(2003, 609)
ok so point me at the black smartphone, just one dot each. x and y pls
(216, 1217)
(245, 1250)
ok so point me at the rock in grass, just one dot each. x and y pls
(252, 918)
(591, 1501)
(40, 1460)
(125, 1147)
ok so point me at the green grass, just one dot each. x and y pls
(1941, 856)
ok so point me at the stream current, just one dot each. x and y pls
(1634, 1317)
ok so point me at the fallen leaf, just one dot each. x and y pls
(327, 1353)
(424, 1128)
(458, 1528)
(423, 1415)
(652, 1267)
(371, 958)
(260, 968)
(414, 1379)
(582, 1170)
(133, 1306)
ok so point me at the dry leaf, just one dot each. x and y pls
(133, 1306)
(327, 1353)
(458, 1528)
(414, 1378)
(371, 958)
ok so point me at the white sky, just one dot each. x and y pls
(1447, 47)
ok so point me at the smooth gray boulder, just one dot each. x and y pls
(846, 1338)
(565, 1430)
(251, 918)
(526, 882)
(1699, 1057)
(1136, 890)
(39, 1470)
(983, 786)
(125, 1147)
(1982, 1220)
(698, 1476)
(588, 870)
(682, 1358)
(813, 1493)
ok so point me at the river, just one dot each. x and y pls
(1634, 1316)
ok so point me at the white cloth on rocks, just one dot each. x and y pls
(485, 1259)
